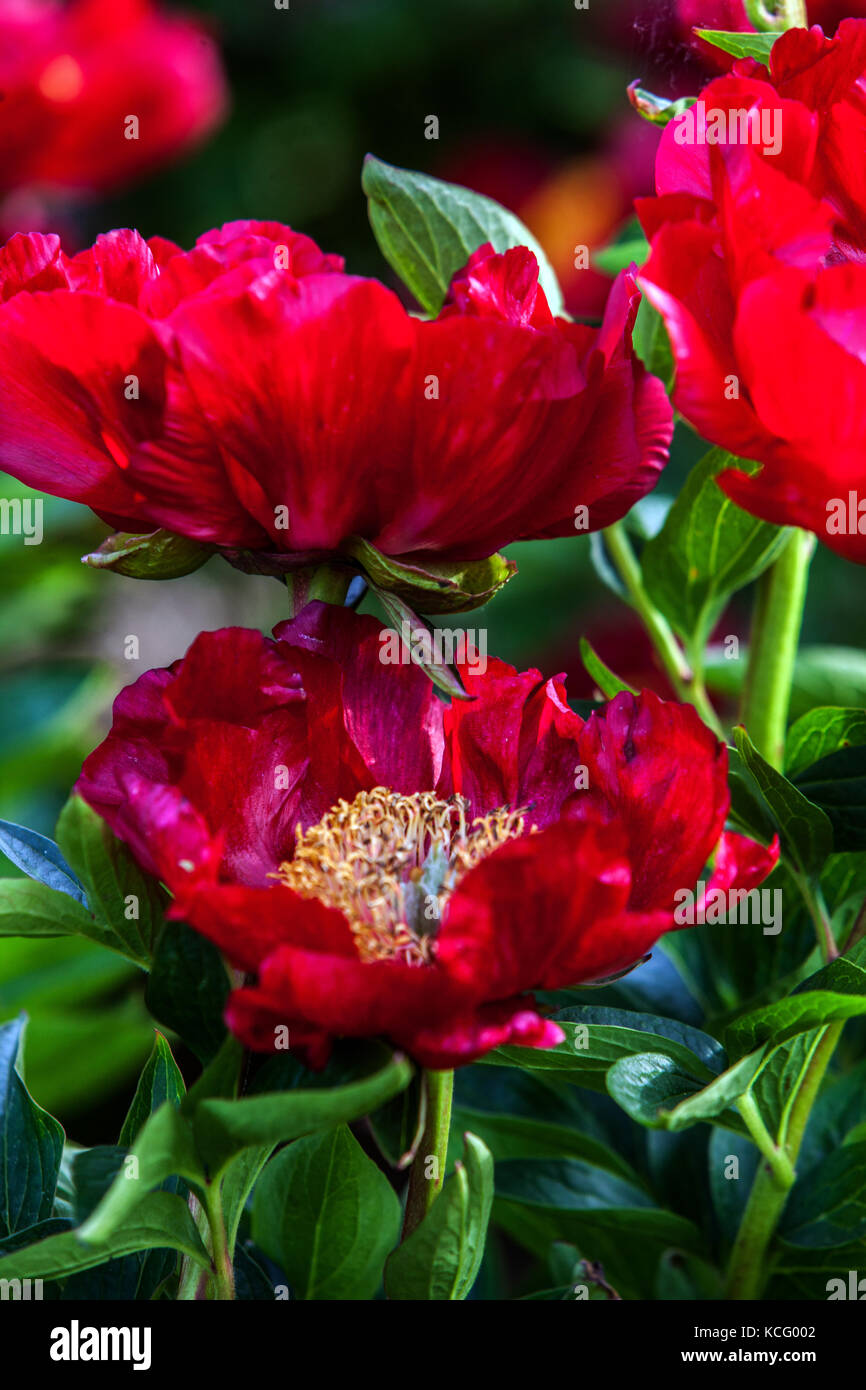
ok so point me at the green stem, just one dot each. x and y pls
(773, 647)
(817, 909)
(223, 1278)
(747, 1270)
(427, 1173)
(687, 683)
(327, 582)
(775, 1156)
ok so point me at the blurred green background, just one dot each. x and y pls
(530, 97)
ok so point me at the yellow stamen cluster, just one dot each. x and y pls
(388, 862)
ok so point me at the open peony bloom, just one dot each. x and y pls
(73, 75)
(384, 864)
(758, 266)
(250, 395)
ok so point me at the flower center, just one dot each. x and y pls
(389, 862)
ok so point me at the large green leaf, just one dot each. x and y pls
(31, 1143)
(161, 1220)
(127, 901)
(441, 1258)
(822, 731)
(224, 1127)
(188, 987)
(160, 1081)
(427, 230)
(706, 550)
(827, 1207)
(804, 830)
(738, 44)
(164, 1148)
(597, 1037)
(587, 1200)
(39, 858)
(327, 1216)
(655, 1091)
(837, 784)
(31, 908)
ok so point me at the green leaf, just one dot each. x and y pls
(30, 908)
(127, 901)
(224, 1127)
(188, 987)
(427, 230)
(31, 1143)
(39, 858)
(822, 731)
(587, 1201)
(740, 45)
(804, 830)
(827, 1206)
(160, 1081)
(421, 648)
(837, 784)
(706, 550)
(164, 1148)
(656, 1092)
(799, 1013)
(686, 1278)
(440, 1260)
(436, 586)
(598, 1037)
(653, 345)
(327, 1216)
(161, 1221)
(607, 682)
(154, 555)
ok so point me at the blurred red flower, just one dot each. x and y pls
(757, 266)
(388, 865)
(251, 395)
(96, 92)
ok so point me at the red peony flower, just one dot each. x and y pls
(250, 395)
(758, 266)
(98, 91)
(386, 865)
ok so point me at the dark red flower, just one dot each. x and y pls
(758, 266)
(250, 395)
(387, 865)
(74, 77)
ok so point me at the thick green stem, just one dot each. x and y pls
(223, 1277)
(327, 582)
(747, 1269)
(687, 683)
(773, 647)
(428, 1168)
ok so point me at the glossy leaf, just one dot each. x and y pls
(427, 230)
(327, 1216)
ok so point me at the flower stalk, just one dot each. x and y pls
(686, 681)
(427, 1173)
(747, 1268)
(773, 647)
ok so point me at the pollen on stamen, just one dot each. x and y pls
(389, 862)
